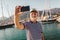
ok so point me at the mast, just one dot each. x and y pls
(7, 9)
(2, 10)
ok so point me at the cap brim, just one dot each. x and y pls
(34, 10)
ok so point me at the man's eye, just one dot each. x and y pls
(35, 14)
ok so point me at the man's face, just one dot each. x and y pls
(33, 15)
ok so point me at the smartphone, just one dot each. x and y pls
(25, 8)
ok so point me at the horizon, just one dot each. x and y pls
(9, 5)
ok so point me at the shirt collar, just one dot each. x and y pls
(32, 22)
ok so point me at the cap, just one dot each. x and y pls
(33, 10)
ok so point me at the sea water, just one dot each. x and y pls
(51, 31)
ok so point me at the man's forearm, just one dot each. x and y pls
(16, 20)
(17, 24)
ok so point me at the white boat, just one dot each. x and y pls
(58, 19)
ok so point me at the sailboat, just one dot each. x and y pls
(50, 17)
(47, 16)
(6, 21)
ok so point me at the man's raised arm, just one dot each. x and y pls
(17, 13)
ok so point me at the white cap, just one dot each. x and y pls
(33, 10)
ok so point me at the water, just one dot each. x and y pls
(51, 32)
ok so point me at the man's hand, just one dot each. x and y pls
(17, 10)
(42, 36)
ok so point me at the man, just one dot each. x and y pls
(33, 28)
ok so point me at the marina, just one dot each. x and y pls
(51, 32)
(49, 17)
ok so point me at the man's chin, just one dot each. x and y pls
(33, 18)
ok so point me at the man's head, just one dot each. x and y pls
(33, 15)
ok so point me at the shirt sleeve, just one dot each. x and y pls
(25, 25)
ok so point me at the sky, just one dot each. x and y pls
(9, 5)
